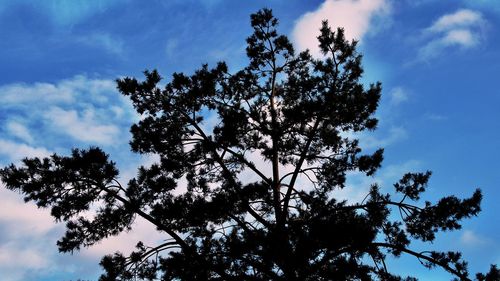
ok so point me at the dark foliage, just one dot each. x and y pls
(294, 112)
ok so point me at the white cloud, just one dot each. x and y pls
(460, 29)
(83, 128)
(16, 151)
(88, 110)
(100, 91)
(461, 18)
(66, 91)
(39, 92)
(460, 37)
(355, 16)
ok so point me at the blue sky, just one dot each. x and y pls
(438, 61)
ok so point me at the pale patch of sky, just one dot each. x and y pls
(398, 95)
(63, 12)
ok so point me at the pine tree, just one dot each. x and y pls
(292, 111)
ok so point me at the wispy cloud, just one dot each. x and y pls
(435, 117)
(460, 29)
(356, 16)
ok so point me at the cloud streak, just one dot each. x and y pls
(19, 130)
(460, 29)
(105, 41)
(459, 19)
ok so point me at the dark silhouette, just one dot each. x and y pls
(291, 110)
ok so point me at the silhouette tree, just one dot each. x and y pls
(226, 217)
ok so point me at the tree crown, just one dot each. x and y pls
(227, 215)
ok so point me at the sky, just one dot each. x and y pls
(438, 61)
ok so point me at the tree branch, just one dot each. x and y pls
(146, 216)
(424, 257)
(298, 168)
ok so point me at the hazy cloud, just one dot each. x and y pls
(472, 239)
(105, 41)
(171, 47)
(487, 5)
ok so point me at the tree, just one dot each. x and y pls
(293, 111)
